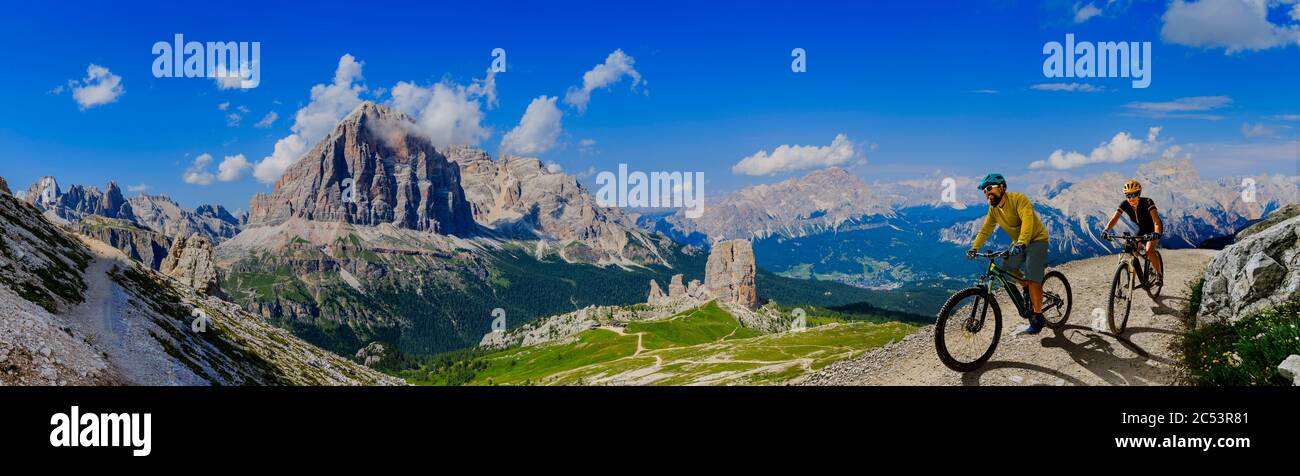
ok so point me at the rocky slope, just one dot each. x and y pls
(163, 215)
(370, 171)
(81, 312)
(139, 243)
(1258, 272)
(518, 197)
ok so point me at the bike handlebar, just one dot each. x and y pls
(1113, 237)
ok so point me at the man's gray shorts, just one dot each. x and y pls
(1034, 258)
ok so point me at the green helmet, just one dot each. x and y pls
(992, 179)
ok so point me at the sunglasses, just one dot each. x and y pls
(989, 188)
(1132, 195)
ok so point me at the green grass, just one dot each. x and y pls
(708, 323)
(1246, 352)
(706, 345)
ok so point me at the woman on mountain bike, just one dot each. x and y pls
(1014, 213)
(1142, 211)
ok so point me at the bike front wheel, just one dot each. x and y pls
(968, 328)
(1057, 299)
(1121, 299)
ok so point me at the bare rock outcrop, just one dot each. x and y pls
(1256, 273)
(675, 287)
(730, 273)
(190, 261)
(4, 187)
(656, 294)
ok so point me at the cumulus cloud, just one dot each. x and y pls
(223, 106)
(1068, 87)
(99, 87)
(329, 104)
(233, 80)
(617, 65)
(447, 113)
(1196, 107)
(232, 167)
(1120, 148)
(787, 158)
(198, 174)
(538, 131)
(267, 120)
(1234, 25)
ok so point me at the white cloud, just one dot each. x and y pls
(617, 65)
(137, 188)
(1234, 25)
(787, 158)
(267, 120)
(99, 87)
(1285, 117)
(329, 104)
(1187, 108)
(985, 91)
(197, 173)
(1085, 13)
(554, 168)
(232, 167)
(1120, 148)
(233, 119)
(537, 131)
(233, 81)
(223, 106)
(1069, 87)
(446, 113)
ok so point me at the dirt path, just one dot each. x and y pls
(1076, 354)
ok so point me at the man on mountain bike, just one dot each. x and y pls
(1015, 214)
(1142, 211)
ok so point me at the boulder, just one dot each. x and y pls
(1290, 368)
(190, 261)
(730, 273)
(1255, 273)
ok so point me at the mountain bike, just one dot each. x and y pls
(960, 333)
(1130, 276)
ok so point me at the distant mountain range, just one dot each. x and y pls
(829, 224)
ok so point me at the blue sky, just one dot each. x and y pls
(914, 87)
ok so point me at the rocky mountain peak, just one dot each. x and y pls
(4, 187)
(372, 169)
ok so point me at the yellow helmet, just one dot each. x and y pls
(1132, 186)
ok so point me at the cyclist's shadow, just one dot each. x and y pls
(1095, 354)
(972, 378)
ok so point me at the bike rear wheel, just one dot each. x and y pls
(968, 329)
(1057, 299)
(1121, 299)
(1153, 276)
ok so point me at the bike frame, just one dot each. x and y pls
(1134, 257)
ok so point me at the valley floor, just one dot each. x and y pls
(1076, 354)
